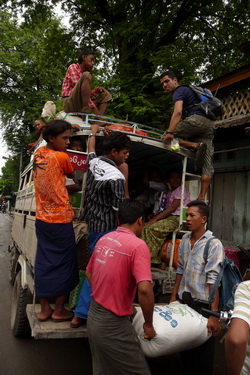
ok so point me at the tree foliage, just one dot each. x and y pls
(199, 39)
(134, 41)
(10, 176)
(33, 57)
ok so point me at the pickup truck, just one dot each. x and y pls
(147, 145)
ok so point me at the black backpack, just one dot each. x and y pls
(211, 106)
(227, 281)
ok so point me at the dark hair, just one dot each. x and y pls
(202, 207)
(169, 73)
(119, 141)
(129, 211)
(84, 52)
(54, 128)
(174, 171)
(155, 169)
(78, 138)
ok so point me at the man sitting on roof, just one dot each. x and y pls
(76, 88)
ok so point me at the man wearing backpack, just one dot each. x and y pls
(191, 126)
(194, 282)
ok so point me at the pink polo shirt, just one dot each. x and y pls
(119, 262)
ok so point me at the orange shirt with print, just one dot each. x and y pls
(52, 199)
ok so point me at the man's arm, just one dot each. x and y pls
(212, 269)
(146, 301)
(236, 345)
(92, 140)
(164, 214)
(89, 276)
(213, 325)
(124, 169)
(74, 188)
(175, 119)
(176, 288)
(70, 175)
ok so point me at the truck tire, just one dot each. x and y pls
(12, 265)
(20, 298)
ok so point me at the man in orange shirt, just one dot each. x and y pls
(56, 263)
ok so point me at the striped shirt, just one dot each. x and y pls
(73, 74)
(242, 311)
(104, 192)
(197, 275)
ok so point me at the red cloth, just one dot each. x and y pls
(119, 262)
(126, 128)
(73, 74)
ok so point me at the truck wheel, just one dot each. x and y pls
(12, 265)
(20, 298)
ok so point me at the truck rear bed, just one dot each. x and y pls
(50, 329)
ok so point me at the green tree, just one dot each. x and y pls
(33, 58)
(34, 55)
(135, 40)
(199, 39)
(9, 178)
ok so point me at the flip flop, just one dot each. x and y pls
(45, 320)
(200, 155)
(63, 319)
(82, 323)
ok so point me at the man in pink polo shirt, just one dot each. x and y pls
(120, 264)
(76, 88)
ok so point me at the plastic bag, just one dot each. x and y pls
(175, 146)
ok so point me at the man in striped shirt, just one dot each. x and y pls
(237, 343)
(194, 282)
(76, 88)
(104, 192)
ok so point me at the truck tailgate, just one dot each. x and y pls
(51, 330)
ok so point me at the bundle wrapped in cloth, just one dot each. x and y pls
(178, 327)
(126, 128)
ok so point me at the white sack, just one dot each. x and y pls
(177, 326)
(70, 118)
(49, 109)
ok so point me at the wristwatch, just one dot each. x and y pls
(92, 135)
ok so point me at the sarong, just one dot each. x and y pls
(56, 272)
(154, 235)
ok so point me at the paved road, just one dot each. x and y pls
(29, 356)
(56, 357)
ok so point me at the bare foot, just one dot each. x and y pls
(45, 315)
